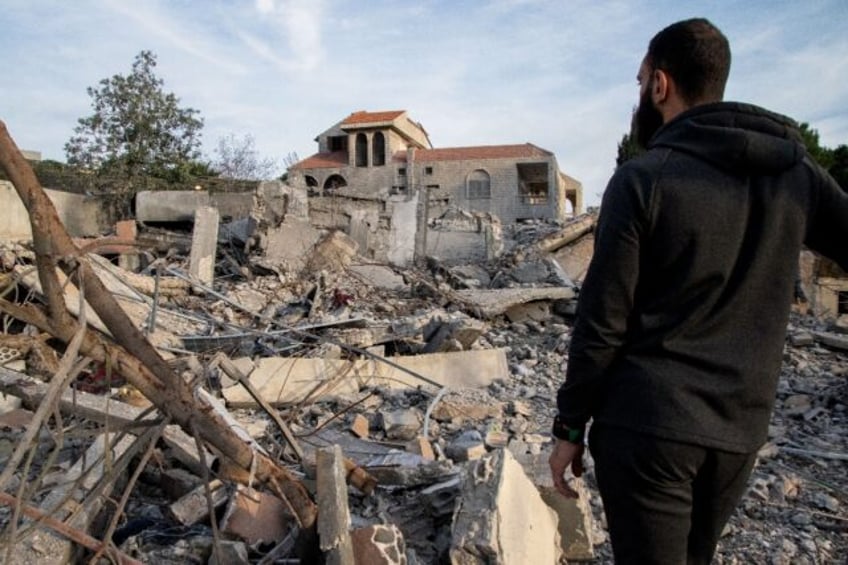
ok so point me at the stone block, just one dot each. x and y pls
(256, 517)
(421, 446)
(379, 544)
(501, 518)
(403, 424)
(360, 426)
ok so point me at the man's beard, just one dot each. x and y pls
(646, 121)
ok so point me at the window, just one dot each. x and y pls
(361, 150)
(334, 182)
(378, 150)
(533, 183)
(428, 170)
(479, 185)
(337, 143)
(433, 187)
(402, 172)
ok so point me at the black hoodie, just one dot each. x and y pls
(682, 316)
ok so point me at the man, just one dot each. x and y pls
(677, 345)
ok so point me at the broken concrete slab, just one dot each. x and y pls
(378, 276)
(453, 408)
(287, 246)
(82, 215)
(536, 311)
(575, 515)
(836, 341)
(179, 205)
(333, 511)
(571, 232)
(501, 517)
(494, 302)
(285, 380)
(333, 252)
(193, 507)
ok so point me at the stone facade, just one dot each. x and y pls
(379, 154)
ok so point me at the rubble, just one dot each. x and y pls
(321, 401)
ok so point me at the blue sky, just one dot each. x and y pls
(556, 73)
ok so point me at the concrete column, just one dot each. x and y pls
(128, 259)
(204, 243)
(333, 511)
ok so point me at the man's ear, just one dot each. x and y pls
(660, 90)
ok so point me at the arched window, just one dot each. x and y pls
(361, 150)
(310, 181)
(378, 149)
(479, 185)
(333, 182)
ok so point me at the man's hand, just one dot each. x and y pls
(564, 454)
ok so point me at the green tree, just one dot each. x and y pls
(822, 155)
(839, 167)
(137, 128)
(627, 149)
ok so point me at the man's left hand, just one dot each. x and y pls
(564, 454)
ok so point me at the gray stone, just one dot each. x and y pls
(231, 553)
(467, 446)
(403, 424)
(333, 512)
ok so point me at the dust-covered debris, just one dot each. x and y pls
(427, 383)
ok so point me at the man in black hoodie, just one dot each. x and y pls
(680, 326)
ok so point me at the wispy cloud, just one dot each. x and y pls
(295, 23)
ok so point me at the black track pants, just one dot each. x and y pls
(665, 502)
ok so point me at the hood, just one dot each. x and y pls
(739, 138)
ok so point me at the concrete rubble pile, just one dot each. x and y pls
(413, 404)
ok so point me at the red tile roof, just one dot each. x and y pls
(524, 151)
(332, 160)
(362, 117)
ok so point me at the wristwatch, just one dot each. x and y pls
(571, 435)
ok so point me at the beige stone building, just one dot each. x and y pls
(375, 154)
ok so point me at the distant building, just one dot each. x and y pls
(375, 155)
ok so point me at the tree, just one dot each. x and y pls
(839, 167)
(237, 158)
(822, 155)
(627, 149)
(136, 128)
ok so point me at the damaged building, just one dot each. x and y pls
(376, 173)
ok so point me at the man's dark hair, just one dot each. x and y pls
(696, 55)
